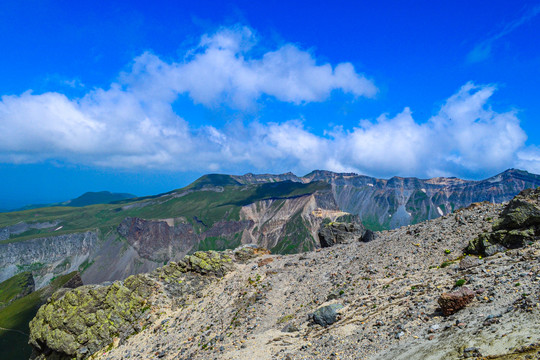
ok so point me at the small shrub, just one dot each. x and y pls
(445, 264)
(446, 251)
(285, 318)
(460, 282)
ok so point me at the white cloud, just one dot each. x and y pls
(529, 158)
(221, 71)
(132, 124)
(482, 50)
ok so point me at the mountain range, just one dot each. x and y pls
(104, 238)
(282, 213)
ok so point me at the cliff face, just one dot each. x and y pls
(388, 204)
(280, 212)
(354, 300)
(289, 226)
(47, 257)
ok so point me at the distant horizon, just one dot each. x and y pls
(144, 97)
(19, 207)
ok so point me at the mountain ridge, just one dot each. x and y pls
(281, 212)
(414, 292)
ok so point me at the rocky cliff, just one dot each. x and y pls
(78, 323)
(47, 257)
(387, 204)
(391, 203)
(280, 212)
(409, 293)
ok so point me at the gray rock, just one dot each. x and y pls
(289, 328)
(326, 315)
(339, 233)
(469, 262)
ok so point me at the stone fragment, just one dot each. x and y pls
(265, 261)
(469, 262)
(450, 303)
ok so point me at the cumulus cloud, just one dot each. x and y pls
(529, 158)
(221, 71)
(133, 125)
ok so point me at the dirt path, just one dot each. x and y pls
(13, 330)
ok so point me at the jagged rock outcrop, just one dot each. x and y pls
(519, 225)
(76, 323)
(331, 233)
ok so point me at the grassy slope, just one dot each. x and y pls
(12, 287)
(199, 206)
(17, 315)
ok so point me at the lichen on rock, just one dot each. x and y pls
(519, 225)
(74, 324)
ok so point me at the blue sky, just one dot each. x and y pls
(144, 97)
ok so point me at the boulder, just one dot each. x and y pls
(326, 315)
(452, 302)
(332, 233)
(368, 236)
(518, 225)
(76, 323)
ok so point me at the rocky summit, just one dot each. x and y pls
(464, 285)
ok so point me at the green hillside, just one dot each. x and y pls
(199, 206)
(15, 287)
(15, 317)
(101, 197)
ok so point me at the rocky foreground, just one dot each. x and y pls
(409, 293)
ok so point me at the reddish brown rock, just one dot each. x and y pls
(454, 301)
(265, 261)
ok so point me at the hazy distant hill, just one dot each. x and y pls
(88, 198)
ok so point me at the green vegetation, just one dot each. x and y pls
(372, 223)
(291, 242)
(445, 264)
(200, 206)
(16, 317)
(460, 282)
(220, 243)
(14, 287)
(285, 318)
(213, 180)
